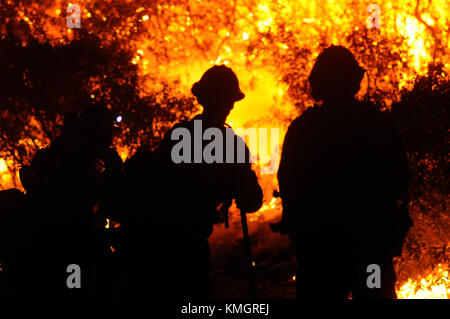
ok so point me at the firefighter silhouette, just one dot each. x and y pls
(64, 184)
(342, 173)
(181, 200)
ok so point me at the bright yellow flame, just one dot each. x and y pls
(435, 285)
(416, 35)
(3, 167)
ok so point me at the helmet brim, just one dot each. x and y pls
(239, 96)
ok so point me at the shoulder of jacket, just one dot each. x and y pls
(309, 115)
(312, 111)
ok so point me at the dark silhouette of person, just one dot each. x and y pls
(342, 172)
(65, 183)
(14, 230)
(183, 199)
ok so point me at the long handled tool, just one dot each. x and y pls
(249, 258)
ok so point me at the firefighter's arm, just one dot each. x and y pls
(401, 170)
(249, 194)
(294, 158)
(290, 165)
(397, 173)
(293, 173)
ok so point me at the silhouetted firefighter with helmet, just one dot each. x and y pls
(189, 189)
(342, 172)
(65, 184)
